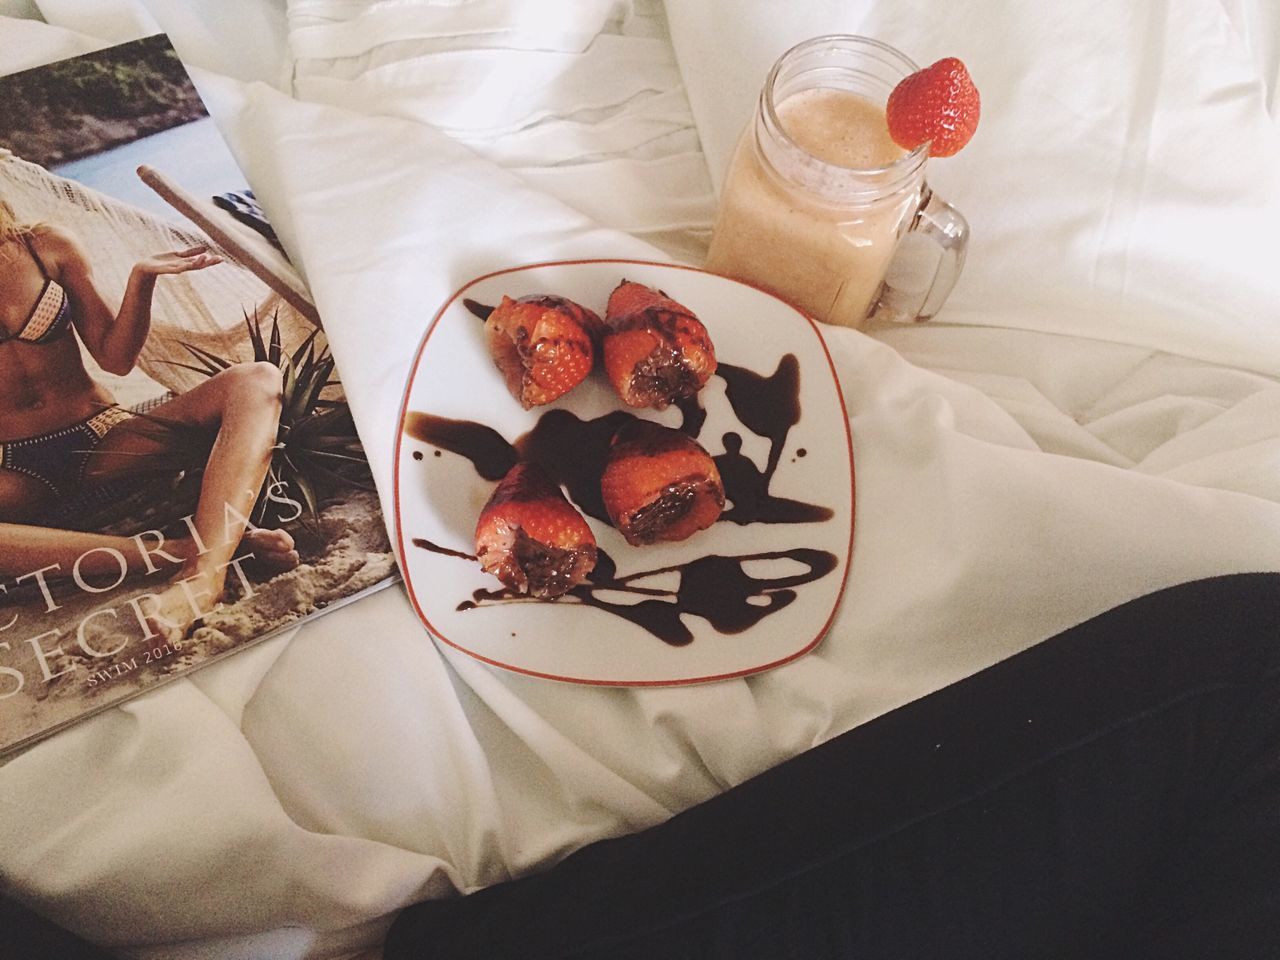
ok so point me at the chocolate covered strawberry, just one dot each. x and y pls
(655, 350)
(939, 105)
(544, 346)
(531, 538)
(659, 484)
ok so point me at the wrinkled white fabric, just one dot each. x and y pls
(26, 43)
(1060, 443)
(583, 100)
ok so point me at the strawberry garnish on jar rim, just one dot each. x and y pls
(938, 105)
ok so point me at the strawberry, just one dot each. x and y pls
(655, 351)
(938, 104)
(659, 484)
(544, 346)
(531, 538)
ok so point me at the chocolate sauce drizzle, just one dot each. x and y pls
(443, 551)
(716, 588)
(573, 453)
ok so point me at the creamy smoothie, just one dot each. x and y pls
(796, 230)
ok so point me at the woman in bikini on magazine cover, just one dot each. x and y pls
(62, 433)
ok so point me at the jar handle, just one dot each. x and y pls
(926, 264)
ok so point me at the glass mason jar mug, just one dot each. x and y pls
(818, 200)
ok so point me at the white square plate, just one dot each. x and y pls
(736, 598)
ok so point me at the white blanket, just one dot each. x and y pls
(1095, 415)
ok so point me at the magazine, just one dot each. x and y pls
(180, 476)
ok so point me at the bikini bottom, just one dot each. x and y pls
(59, 459)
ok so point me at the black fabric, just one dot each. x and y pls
(1112, 792)
(27, 936)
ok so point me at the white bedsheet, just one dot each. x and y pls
(1097, 415)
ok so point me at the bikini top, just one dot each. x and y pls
(50, 318)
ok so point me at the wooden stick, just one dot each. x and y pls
(283, 279)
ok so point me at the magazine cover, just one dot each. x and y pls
(179, 473)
